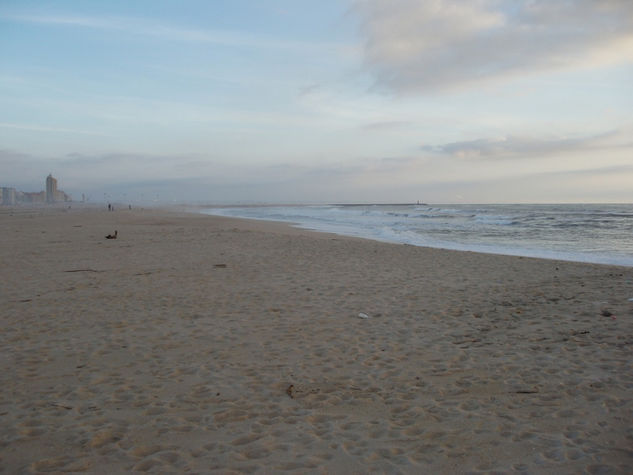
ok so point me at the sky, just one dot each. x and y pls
(287, 101)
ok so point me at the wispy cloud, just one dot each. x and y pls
(517, 146)
(39, 128)
(133, 176)
(387, 125)
(142, 27)
(413, 46)
(80, 169)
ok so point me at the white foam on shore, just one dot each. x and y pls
(470, 229)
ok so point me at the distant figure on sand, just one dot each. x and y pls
(112, 236)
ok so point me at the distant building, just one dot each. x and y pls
(11, 197)
(8, 196)
(34, 197)
(51, 189)
(53, 195)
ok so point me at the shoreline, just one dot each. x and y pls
(211, 344)
(446, 245)
(197, 210)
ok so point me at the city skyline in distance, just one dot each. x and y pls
(10, 196)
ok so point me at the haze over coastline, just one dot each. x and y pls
(334, 101)
(466, 305)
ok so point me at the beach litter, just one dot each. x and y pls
(290, 391)
(363, 315)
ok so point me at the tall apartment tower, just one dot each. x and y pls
(51, 188)
(7, 196)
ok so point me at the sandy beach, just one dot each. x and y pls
(212, 345)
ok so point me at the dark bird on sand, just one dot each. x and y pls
(112, 236)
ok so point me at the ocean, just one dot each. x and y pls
(597, 233)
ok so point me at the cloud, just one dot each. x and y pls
(387, 125)
(150, 28)
(507, 169)
(140, 179)
(39, 128)
(516, 146)
(183, 177)
(82, 171)
(421, 46)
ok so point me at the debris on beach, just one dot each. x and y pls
(290, 391)
(83, 270)
(363, 315)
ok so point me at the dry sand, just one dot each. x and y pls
(203, 344)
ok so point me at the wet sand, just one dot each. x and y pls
(215, 345)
